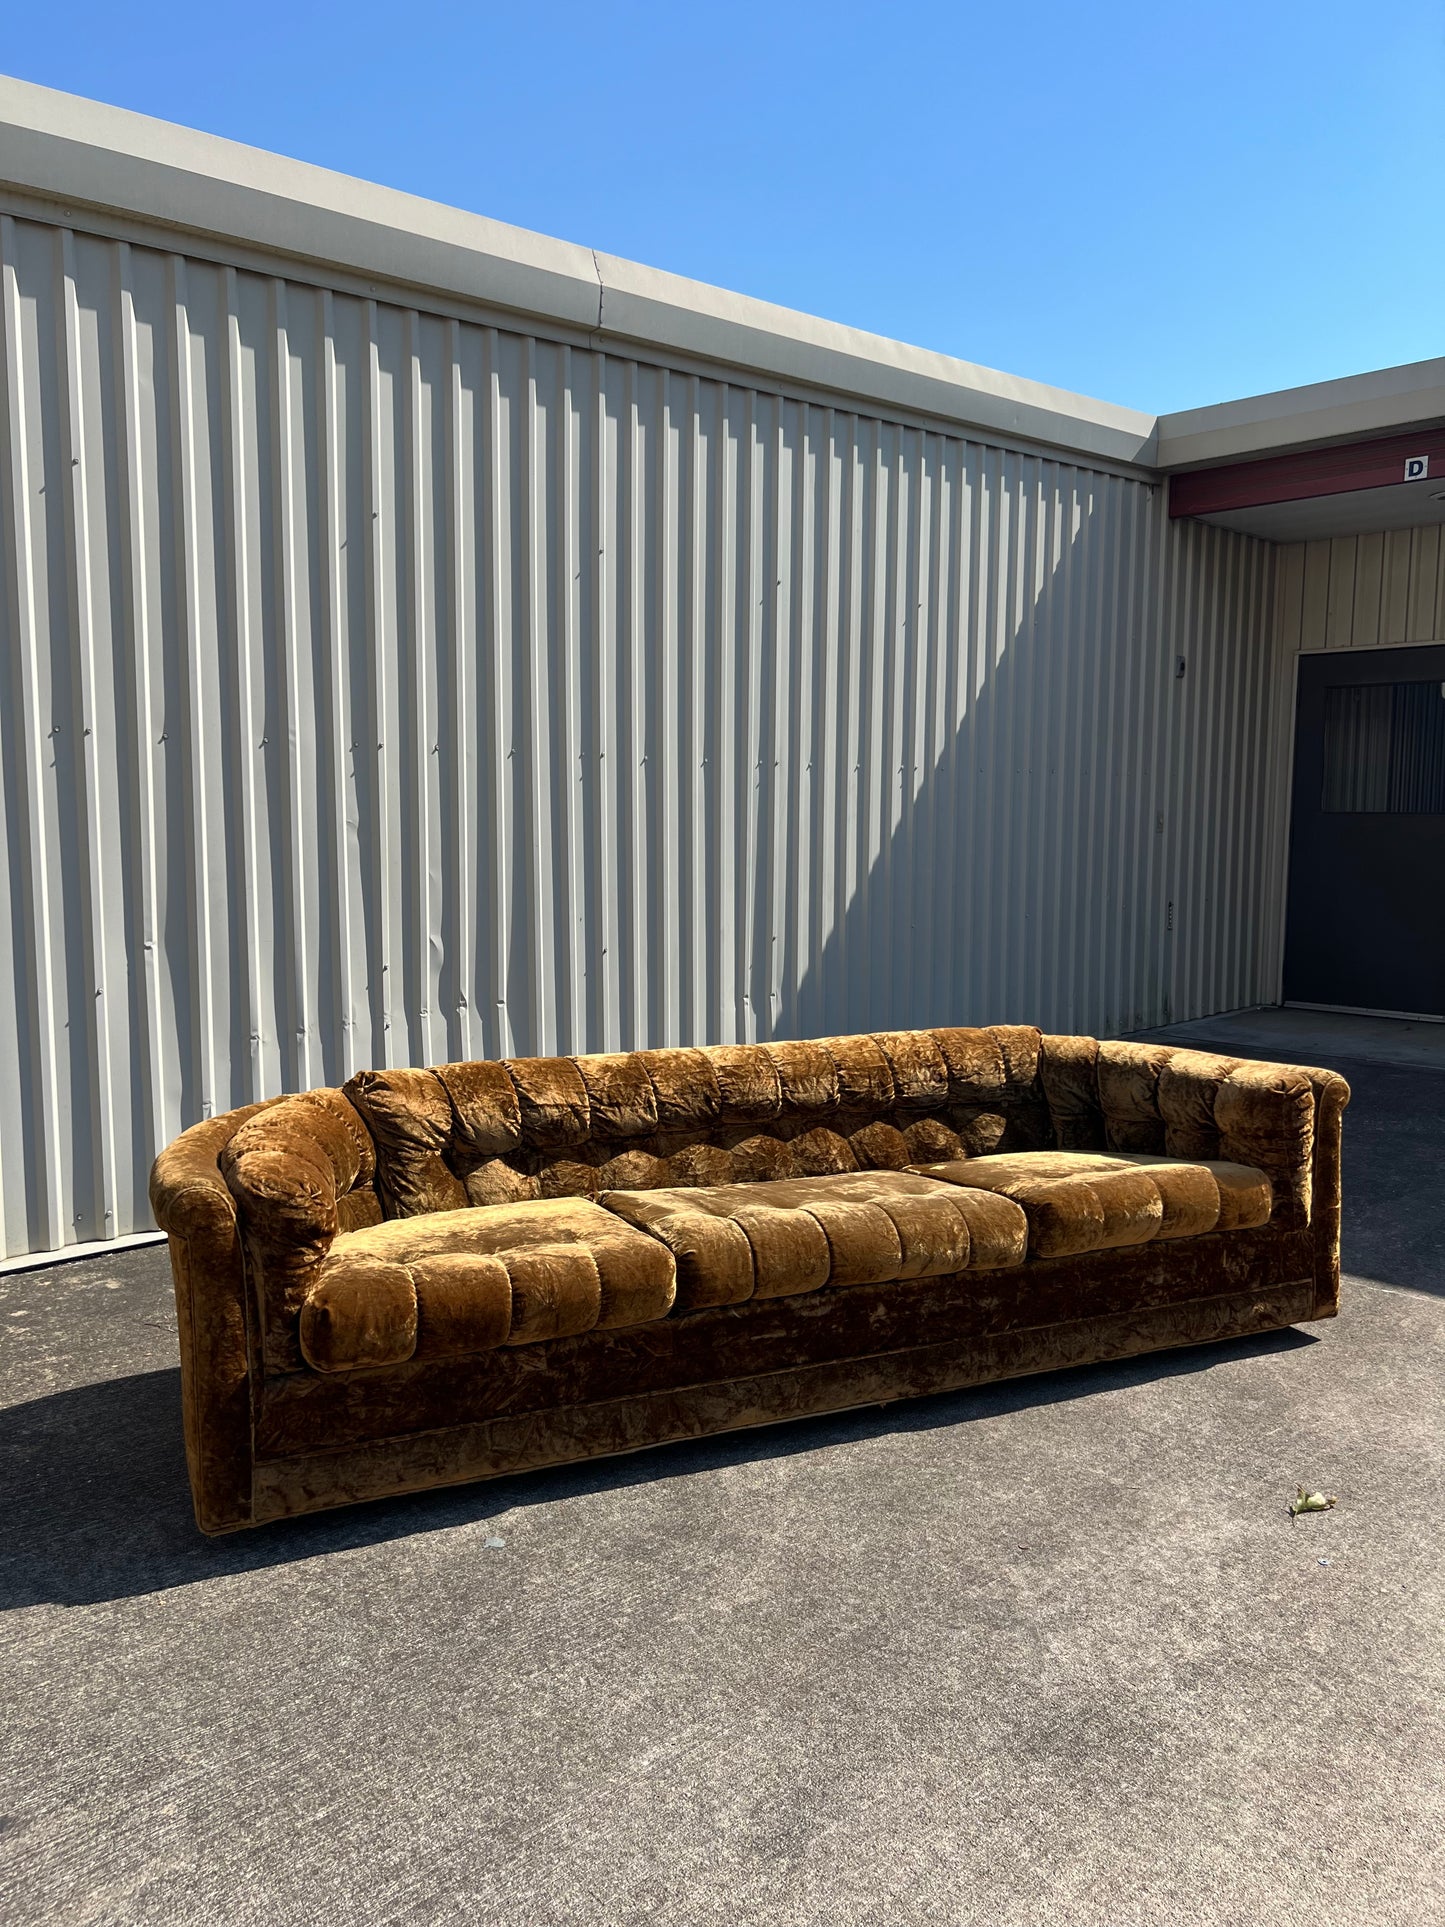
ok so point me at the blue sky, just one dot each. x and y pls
(1161, 205)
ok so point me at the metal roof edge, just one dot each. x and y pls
(83, 154)
(1352, 407)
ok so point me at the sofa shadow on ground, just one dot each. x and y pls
(97, 1506)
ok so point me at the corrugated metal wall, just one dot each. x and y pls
(387, 688)
(1362, 591)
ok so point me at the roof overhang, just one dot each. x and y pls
(1395, 481)
(1348, 457)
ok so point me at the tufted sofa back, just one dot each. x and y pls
(398, 1143)
(490, 1133)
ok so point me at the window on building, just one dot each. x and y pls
(1385, 749)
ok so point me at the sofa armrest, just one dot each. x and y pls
(214, 1314)
(299, 1172)
(1332, 1094)
(1195, 1104)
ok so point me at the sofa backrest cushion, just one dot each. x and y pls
(492, 1133)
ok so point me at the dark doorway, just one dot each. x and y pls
(1365, 928)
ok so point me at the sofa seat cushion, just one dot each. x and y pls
(450, 1283)
(774, 1239)
(1081, 1201)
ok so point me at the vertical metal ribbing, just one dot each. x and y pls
(949, 581)
(51, 1140)
(539, 783)
(1213, 944)
(634, 787)
(573, 958)
(1138, 827)
(910, 629)
(1282, 681)
(1136, 956)
(81, 596)
(608, 737)
(927, 746)
(379, 753)
(333, 643)
(1028, 639)
(874, 776)
(1251, 722)
(258, 1076)
(1033, 773)
(185, 457)
(1196, 599)
(497, 650)
(946, 932)
(1150, 882)
(853, 508)
(777, 771)
(692, 759)
(976, 533)
(418, 651)
(818, 937)
(1103, 897)
(1091, 854)
(990, 729)
(750, 730)
(1218, 946)
(890, 986)
(1011, 690)
(153, 1039)
(665, 882)
(301, 1057)
(1198, 614)
(461, 634)
(1181, 773)
(723, 787)
(1243, 727)
(1058, 510)
(799, 916)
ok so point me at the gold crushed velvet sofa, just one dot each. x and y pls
(440, 1275)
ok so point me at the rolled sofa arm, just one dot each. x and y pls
(215, 1316)
(299, 1172)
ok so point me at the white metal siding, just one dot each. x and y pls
(1362, 591)
(387, 688)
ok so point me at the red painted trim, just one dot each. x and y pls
(1317, 471)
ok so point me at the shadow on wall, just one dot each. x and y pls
(96, 1506)
(1060, 802)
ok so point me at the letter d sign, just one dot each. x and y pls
(1417, 467)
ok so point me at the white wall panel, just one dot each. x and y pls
(381, 687)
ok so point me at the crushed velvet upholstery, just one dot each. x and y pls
(738, 1241)
(457, 1282)
(439, 1274)
(1078, 1201)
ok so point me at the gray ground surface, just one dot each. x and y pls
(1046, 1653)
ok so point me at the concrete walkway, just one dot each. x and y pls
(1046, 1655)
(1316, 1037)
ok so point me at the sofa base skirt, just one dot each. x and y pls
(493, 1448)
